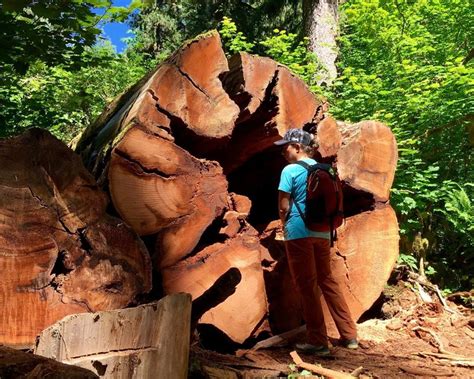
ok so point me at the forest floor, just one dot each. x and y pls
(415, 339)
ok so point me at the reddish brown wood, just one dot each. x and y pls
(368, 158)
(272, 100)
(60, 253)
(171, 149)
(242, 311)
(329, 137)
(173, 193)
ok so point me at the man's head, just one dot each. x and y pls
(296, 144)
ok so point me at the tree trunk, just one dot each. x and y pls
(60, 252)
(321, 20)
(188, 158)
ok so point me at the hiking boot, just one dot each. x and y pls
(350, 344)
(320, 350)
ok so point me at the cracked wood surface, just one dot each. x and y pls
(150, 340)
(368, 158)
(60, 253)
(173, 193)
(198, 274)
(168, 151)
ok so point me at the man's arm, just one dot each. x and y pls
(283, 206)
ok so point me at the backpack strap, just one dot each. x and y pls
(318, 166)
(307, 166)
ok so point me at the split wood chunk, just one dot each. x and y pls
(247, 81)
(178, 97)
(329, 137)
(240, 203)
(234, 222)
(241, 312)
(59, 252)
(158, 187)
(296, 104)
(365, 253)
(151, 340)
(18, 364)
(272, 100)
(368, 158)
(145, 113)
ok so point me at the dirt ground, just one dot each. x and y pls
(415, 340)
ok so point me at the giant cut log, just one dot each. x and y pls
(188, 159)
(148, 341)
(60, 253)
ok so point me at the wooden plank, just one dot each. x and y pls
(150, 340)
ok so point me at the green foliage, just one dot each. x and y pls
(233, 40)
(408, 260)
(404, 62)
(162, 27)
(286, 48)
(54, 31)
(65, 101)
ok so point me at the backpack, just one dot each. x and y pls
(324, 199)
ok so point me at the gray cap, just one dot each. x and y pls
(295, 136)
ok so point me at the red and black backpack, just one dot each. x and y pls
(324, 201)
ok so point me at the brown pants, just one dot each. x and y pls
(309, 262)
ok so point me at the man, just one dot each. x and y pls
(308, 252)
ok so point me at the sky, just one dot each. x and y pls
(115, 31)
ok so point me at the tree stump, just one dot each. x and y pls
(60, 253)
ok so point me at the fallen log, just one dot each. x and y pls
(151, 340)
(60, 253)
(174, 149)
(367, 158)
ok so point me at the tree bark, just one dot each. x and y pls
(321, 20)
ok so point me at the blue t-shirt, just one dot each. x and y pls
(293, 181)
